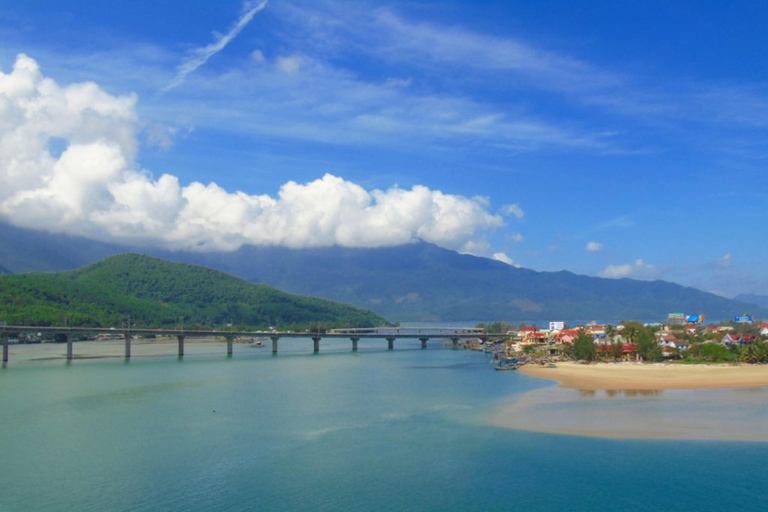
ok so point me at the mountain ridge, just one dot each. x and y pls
(419, 282)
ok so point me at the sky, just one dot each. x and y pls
(620, 138)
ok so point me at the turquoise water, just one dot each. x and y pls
(374, 430)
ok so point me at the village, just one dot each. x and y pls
(681, 339)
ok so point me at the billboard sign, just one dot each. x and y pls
(744, 319)
(556, 326)
(694, 319)
(676, 318)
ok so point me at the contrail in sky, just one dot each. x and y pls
(201, 55)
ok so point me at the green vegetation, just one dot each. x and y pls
(583, 347)
(496, 327)
(148, 292)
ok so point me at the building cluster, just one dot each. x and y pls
(607, 337)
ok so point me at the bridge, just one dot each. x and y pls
(390, 334)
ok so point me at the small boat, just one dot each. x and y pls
(506, 364)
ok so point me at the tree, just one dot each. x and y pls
(617, 349)
(647, 347)
(584, 347)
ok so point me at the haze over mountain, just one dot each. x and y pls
(413, 282)
(751, 298)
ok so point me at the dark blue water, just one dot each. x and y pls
(376, 430)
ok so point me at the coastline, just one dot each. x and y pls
(643, 401)
(650, 377)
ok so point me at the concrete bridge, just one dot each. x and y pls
(390, 334)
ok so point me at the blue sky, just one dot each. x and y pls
(608, 138)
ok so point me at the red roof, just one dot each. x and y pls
(629, 347)
(532, 328)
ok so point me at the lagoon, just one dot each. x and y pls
(407, 429)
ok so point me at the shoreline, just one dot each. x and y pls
(650, 377)
(643, 401)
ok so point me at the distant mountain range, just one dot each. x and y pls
(414, 282)
(760, 300)
(152, 292)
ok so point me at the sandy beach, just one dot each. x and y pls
(651, 401)
(643, 377)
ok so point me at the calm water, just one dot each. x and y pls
(376, 430)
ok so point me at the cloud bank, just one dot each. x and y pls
(67, 164)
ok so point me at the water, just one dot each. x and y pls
(377, 430)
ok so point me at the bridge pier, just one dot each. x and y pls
(317, 344)
(181, 345)
(274, 344)
(354, 343)
(5, 346)
(424, 342)
(127, 346)
(454, 343)
(390, 343)
(230, 342)
(70, 354)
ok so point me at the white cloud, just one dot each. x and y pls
(290, 64)
(502, 257)
(518, 238)
(513, 210)
(638, 270)
(726, 261)
(94, 187)
(258, 56)
(201, 55)
(594, 246)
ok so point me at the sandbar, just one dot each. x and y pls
(644, 377)
(643, 401)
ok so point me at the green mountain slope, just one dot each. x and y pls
(151, 292)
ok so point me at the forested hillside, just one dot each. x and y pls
(147, 291)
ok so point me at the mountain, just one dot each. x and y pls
(25, 250)
(759, 300)
(414, 282)
(153, 292)
(424, 282)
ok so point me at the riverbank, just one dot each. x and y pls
(650, 377)
(643, 401)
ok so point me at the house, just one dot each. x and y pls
(673, 342)
(739, 339)
(566, 336)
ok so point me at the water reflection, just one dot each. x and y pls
(617, 393)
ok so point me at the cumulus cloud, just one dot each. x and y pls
(637, 270)
(95, 188)
(594, 246)
(518, 238)
(513, 210)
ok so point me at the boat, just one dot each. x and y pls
(506, 364)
